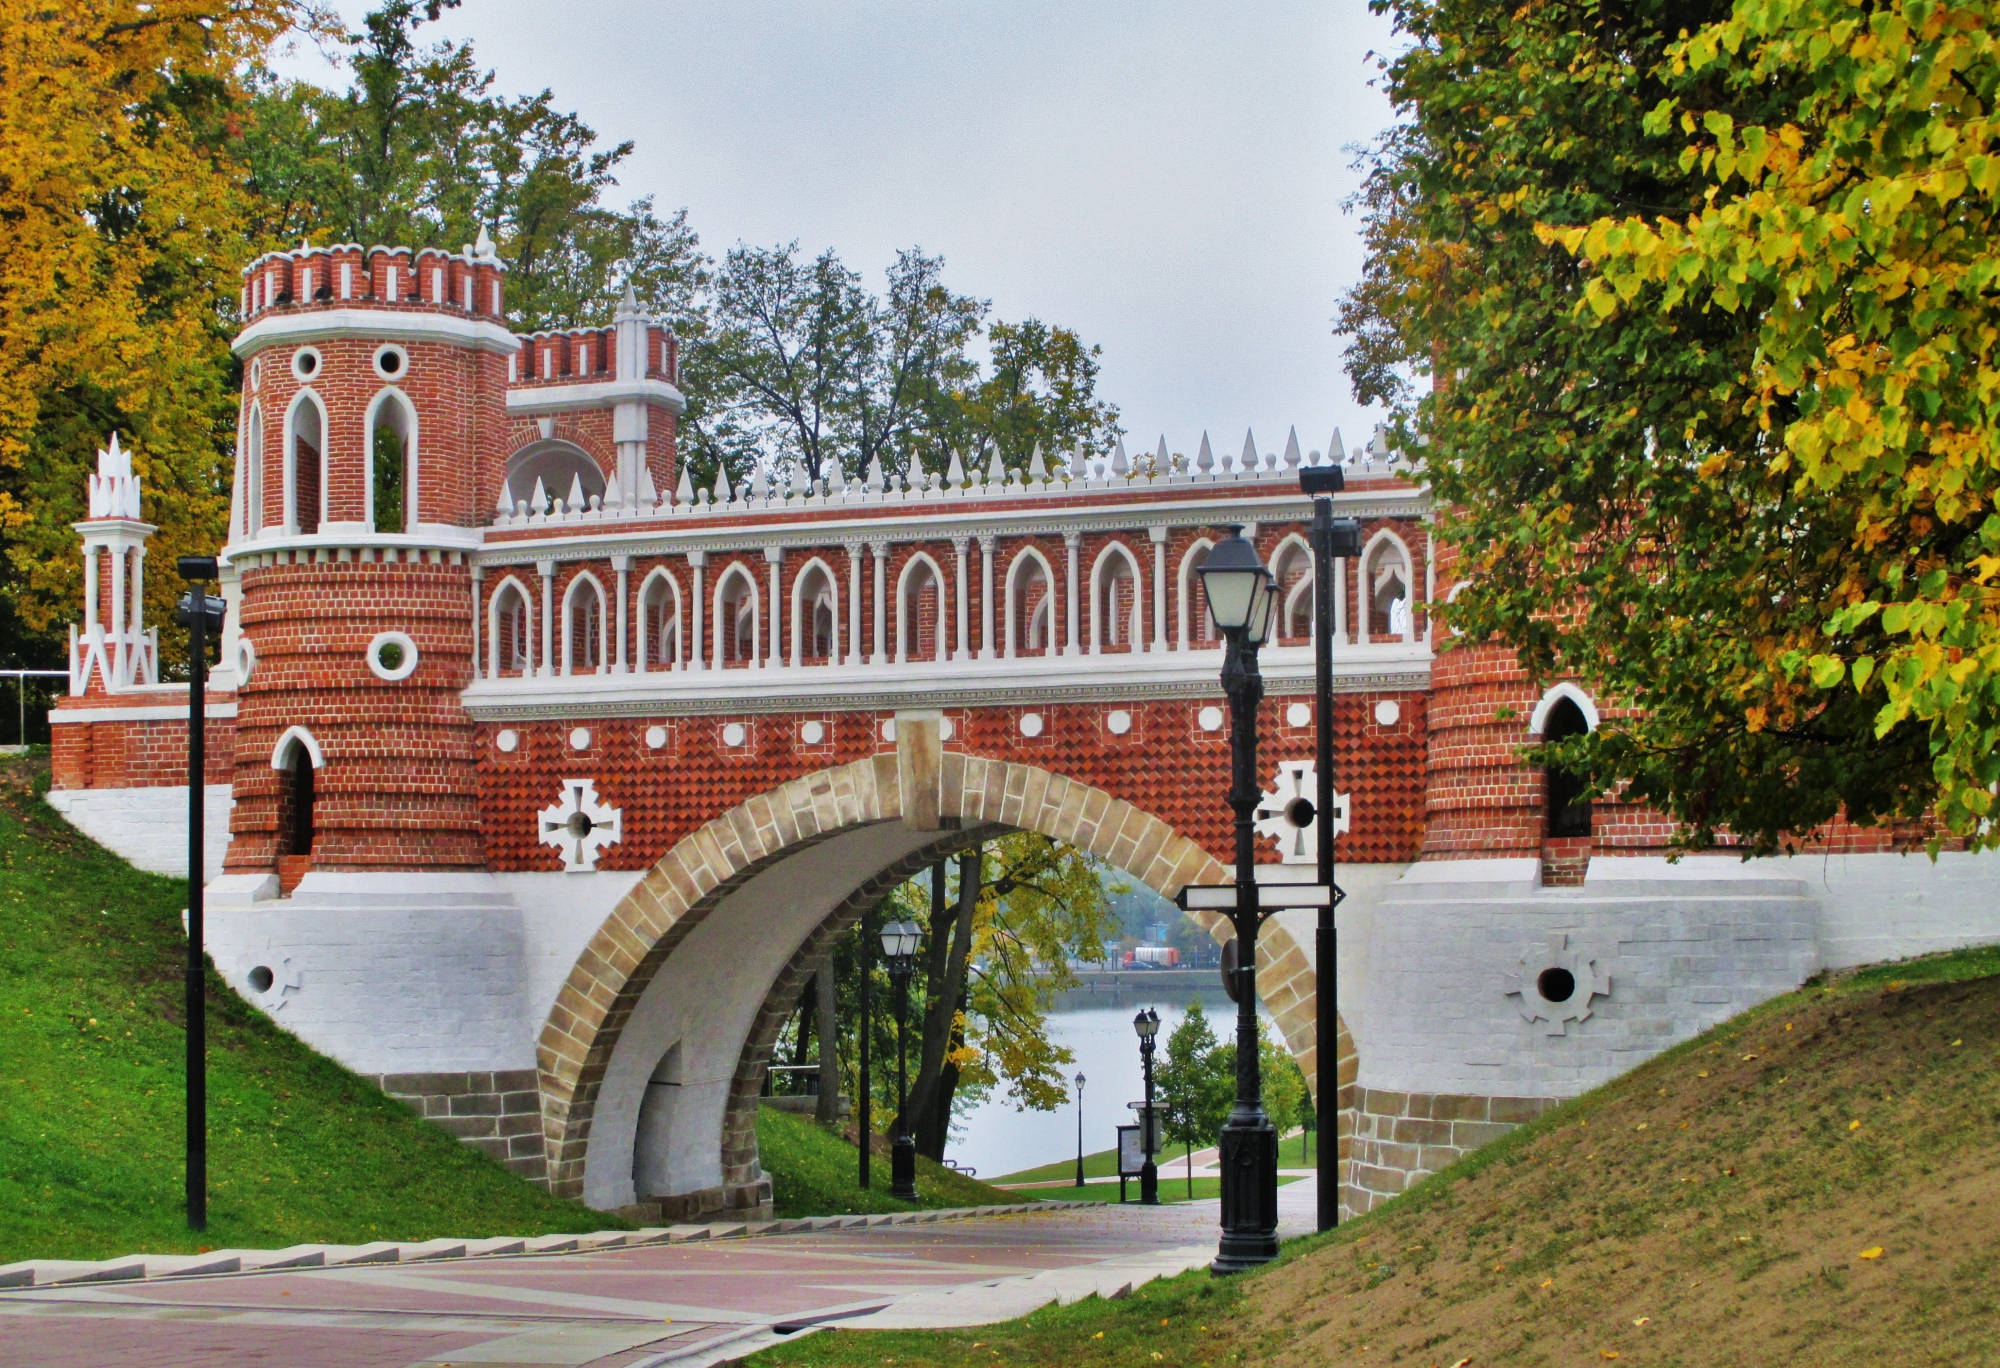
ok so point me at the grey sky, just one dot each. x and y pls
(1165, 177)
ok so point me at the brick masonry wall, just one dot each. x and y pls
(88, 755)
(498, 1113)
(1400, 1138)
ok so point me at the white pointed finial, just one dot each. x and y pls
(723, 492)
(1038, 469)
(1163, 460)
(684, 491)
(914, 475)
(836, 480)
(1204, 459)
(874, 478)
(1249, 460)
(482, 246)
(1293, 457)
(576, 501)
(538, 501)
(506, 504)
(628, 303)
(1378, 443)
(1336, 450)
(996, 473)
(955, 475)
(1121, 464)
(114, 490)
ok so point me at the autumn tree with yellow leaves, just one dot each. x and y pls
(1715, 289)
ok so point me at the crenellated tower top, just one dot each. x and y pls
(347, 275)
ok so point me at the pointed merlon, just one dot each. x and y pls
(1204, 459)
(723, 493)
(1121, 464)
(628, 303)
(1336, 450)
(482, 246)
(1163, 461)
(538, 501)
(1249, 460)
(875, 473)
(760, 482)
(576, 502)
(684, 491)
(996, 473)
(1294, 458)
(955, 476)
(914, 475)
(1378, 443)
(1038, 469)
(506, 505)
(837, 481)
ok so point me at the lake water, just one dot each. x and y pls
(996, 1138)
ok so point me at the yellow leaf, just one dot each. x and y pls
(1872, 1252)
(1098, 1335)
(1465, 1362)
(1956, 1043)
(1607, 1353)
(1548, 1282)
(1854, 1125)
(1642, 1320)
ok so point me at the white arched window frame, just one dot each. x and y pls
(1102, 631)
(803, 608)
(1194, 625)
(908, 632)
(577, 600)
(304, 399)
(726, 623)
(1539, 721)
(1386, 543)
(250, 471)
(1295, 612)
(560, 466)
(660, 604)
(407, 412)
(1027, 562)
(498, 648)
(281, 754)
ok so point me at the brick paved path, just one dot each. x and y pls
(681, 1305)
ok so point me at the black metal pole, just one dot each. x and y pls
(865, 1089)
(1326, 940)
(1149, 1171)
(1249, 1140)
(903, 1155)
(1079, 1130)
(197, 1016)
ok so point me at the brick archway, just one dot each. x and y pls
(636, 941)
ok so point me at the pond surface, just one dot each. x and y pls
(996, 1138)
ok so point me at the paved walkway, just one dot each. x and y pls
(685, 1305)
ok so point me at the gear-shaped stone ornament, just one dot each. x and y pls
(1556, 984)
(1285, 813)
(270, 976)
(580, 826)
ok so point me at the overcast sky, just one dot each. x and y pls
(1165, 177)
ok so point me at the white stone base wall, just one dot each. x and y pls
(148, 826)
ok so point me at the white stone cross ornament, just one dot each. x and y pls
(580, 826)
(1285, 813)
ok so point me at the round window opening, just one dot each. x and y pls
(1300, 812)
(305, 363)
(392, 656)
(1556, 985)
(580, 824)
(261, 978)
(391, 361)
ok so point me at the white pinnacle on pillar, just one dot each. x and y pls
(115, 648)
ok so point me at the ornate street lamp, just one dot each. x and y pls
(1079, 1127)
(1241, 598)
(1147, 1025)
(899, 952)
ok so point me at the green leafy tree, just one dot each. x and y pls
(1619, 494)
(1195, 1085)
(1287, 1101)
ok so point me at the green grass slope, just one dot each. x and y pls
(814, 1172)
(91, 1051)
(1814, 1182)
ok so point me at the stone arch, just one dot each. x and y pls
(1196, 629)
(390, 411)
(1105, 626)
(816, 831)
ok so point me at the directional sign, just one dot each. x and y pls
(1270, 897)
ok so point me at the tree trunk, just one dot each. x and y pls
(828, 1108)
(930, 1113)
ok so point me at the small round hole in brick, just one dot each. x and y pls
(391, 655)
(261, 978)
(1556, 985)
(579, 824)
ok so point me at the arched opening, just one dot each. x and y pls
(816, 615)
(392, 451)
(738, 633)
(1386, 610)
(653, 1148)
(1292, 567)
(295, 757)
(303, 463)
(1197, 628)
(1114, 601)
(511, 633)
(583, 627)
(563, 470)
(660, 623)
(1568, 811)
(618, 1019)
(252, 463)
(1028, 599)
(920, 611)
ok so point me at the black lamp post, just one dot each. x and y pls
(1331, 537)
(899, 951)
(1079, 1128)
(1242, 598)
(1147, 1025)
(198, 611)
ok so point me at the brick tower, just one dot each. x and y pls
(373, 378)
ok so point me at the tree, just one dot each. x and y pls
(1287, 1100)
(1195, 1084)
(1040, 392)
(124, 223)
(1618, 492)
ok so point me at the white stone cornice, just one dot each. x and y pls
(555, 398)
(388, 325)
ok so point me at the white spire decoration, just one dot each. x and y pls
(1163, 461)
(575, 503)
(723, 492)
(538, 501)
(1121, 464)
(684, 491)
(1294, 458)
(875, 473)
(1038, 469)
(1336, 450)
(915, 476)
(114, 489)
(760, 482)
(1249, 460)
(995, 472)
(956, 474)
(482, 249)
(1204, 459)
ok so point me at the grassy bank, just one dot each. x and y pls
(1812, 1182)
(815, 1172)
